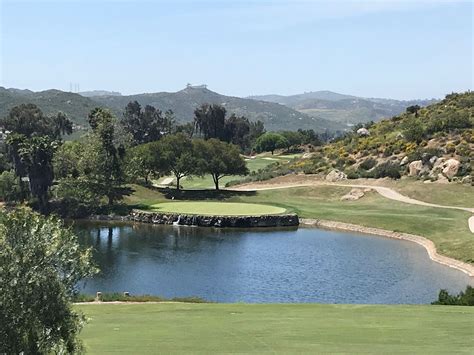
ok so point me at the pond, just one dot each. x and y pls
(262, 265)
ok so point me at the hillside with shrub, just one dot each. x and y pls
(345, 109)
(434, 143)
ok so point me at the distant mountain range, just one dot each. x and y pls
(50, 101)
(321, 110)
(344, 109)
(183, 104)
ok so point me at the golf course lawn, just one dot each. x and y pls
(283, 328)
(216, 208)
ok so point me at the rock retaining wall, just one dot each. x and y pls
(287, 220)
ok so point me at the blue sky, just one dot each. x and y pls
(398, 49)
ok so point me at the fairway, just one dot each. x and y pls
(282, 328)
(217, 208)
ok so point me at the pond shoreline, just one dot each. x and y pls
(424, 242)
(308, 222)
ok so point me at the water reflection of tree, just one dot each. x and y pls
(134, 242)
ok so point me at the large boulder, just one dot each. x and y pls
(404, 161)
(336, 175)
(415, 168)
(363, 132)
(450, 168)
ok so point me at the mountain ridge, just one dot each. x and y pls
(343, 108)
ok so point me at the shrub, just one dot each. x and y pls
(463, 149)
(352, 174)
(450, 148)
(368, 164)
(387, 169)
(465, 298)
(10, 187)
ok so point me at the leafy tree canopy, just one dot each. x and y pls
(270, 141)
(219, 159)
(41, 266)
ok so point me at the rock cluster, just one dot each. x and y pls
(354, 194)
(288, 220)
(436, 168)
(336, 175)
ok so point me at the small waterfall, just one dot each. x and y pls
(176, 223)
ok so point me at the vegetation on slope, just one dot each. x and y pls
(386, 149)
(342, 108)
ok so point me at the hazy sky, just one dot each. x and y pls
(398, 49)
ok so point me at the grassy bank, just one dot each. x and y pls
(308, 328)
(460, 195)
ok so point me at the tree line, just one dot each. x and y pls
(79, 176)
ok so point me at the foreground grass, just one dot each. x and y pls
(216, 208)
(264, 328)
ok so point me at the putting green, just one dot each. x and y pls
(217, 208)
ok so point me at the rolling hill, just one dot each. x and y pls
(434, 143)
(183, 103)
(50, 101)
(345, 109)
(76, 106)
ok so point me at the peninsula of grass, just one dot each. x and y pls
(216, 208)
(276, 328)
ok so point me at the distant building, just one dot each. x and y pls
(190, 86)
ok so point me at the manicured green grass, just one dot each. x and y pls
(460, 195)
(216, 208)
(277, 328)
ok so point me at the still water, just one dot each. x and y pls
(262, 265)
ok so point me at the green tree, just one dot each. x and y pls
(105, 171)
(413, 130)
(293, 139)
(219, 159)
(237, 131)
(210, 121)
(270, 141)
(177, 156)
(413, 109)
(41, 264)
(142, 161)
(31, 145)
(144, 125)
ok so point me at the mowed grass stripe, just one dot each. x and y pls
(217, 208)
(282, 328)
